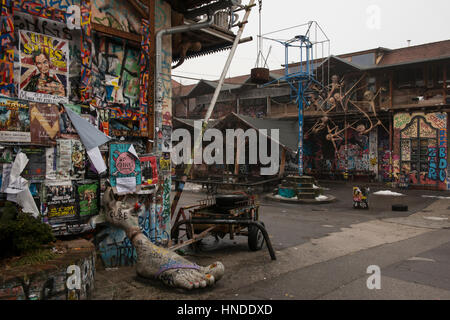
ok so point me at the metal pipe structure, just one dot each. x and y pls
(159, 87)
(199, 139)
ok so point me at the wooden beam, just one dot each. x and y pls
(283, 163)
(138, 8)
(135, 38)
(151, 75)
(391, 89)
(445, 83)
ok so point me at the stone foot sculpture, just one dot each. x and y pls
(153, 261)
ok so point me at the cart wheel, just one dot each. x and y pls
(255, 238)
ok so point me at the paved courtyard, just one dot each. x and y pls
(323, 252)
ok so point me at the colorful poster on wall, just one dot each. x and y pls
(125, 169)
(8, 39)
(60, 201)
(149, 169)
(88, 193)
(44, 124)
(67, 131)
(51, 164)
(14, 121)
(78, 164)
(36, 165)
(44, 68)
(64, 159)
(166, 139)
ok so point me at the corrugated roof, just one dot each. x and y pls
(190, 122)
(428, 51)
(204, 87)
(288, 129)
(414, 54)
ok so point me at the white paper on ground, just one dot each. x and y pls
(97, 160)
(126, 185)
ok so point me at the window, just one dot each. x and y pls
(419, 78)
(364, 59)
(411, 77)
(431, 70)
(372, 84)
(404, 78)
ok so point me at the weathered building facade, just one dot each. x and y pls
(98, 59)
(380, 114)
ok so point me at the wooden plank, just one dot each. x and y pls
(151, 76)
(135, 38)
(391, 89)
(445, 83)
(138, 8)
(283, 162)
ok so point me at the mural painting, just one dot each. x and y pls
(421, 148)
(7, 40)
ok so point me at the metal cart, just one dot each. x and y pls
(235, 214)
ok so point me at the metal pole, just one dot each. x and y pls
(300, 130)
(198, 141)
(159, 89)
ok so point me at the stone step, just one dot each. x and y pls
(298, 184)
(306, 195)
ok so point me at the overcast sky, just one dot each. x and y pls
(351, 25)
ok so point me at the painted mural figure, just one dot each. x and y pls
(43, 82)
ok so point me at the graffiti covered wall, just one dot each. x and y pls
(53, 58)
(421, 149)
(50, 282)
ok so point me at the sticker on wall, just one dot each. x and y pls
(125, 169)
(14, 121)
(166, 139)
(51, 163)
(44, 68)
(78, 160)
(60, 202)
(36, 165)
(44, 123)
(66, 128)
(88, 193)
(64, 159)
(149, 168)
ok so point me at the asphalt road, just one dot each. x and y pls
(323, 252)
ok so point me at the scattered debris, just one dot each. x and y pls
(421, 259)
(437, 197)
(388, 193)
(435, 218)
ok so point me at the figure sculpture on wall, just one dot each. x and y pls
(154, 262)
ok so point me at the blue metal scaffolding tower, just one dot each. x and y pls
(299, 79)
